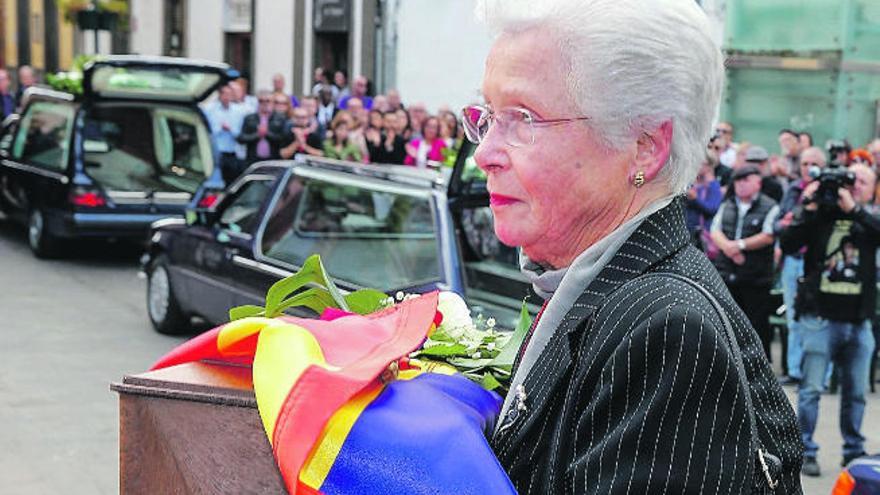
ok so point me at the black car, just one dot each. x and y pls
(132, 149)
(390, 228)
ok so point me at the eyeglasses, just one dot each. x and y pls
(517, 125)
(282, 102)
(810, 164)
(265, 100)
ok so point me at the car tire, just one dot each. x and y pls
(43, 243)
(163, 308)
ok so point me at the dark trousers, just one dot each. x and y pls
(230, 166)
(755, 303)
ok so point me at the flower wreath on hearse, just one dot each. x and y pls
(379, 395)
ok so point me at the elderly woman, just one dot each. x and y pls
(640, 375)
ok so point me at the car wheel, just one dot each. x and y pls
(42, 242)
(162, 306)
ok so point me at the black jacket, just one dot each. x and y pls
(813, 229)
(250, 137)
(637, 392)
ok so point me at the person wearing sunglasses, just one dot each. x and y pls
(263, 130)
(631, 379)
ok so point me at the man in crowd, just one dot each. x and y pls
(310, 105)
(298, 138)
(770, 185)
(743, 231)
(358, 90)
(417, 115)
(394, 102)
(326, 106)
(7, 101)
(835, 303)
(226, 118)
(727, 148)
(790, 149)
(805, 139)
(874, 149)
(262, 131)
(793, 263)
(26, 79)
(392, 148)
(278, 88)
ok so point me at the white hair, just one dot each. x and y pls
(634, 65)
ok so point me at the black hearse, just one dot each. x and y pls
(132, 149)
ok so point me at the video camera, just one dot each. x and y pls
(835, 148)
(831, 179)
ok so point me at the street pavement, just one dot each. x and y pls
(69, 327)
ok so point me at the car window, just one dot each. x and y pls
(376, 237)
(146, 148)
(240, 212)
(44, 135)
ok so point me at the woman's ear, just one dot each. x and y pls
(652, 151)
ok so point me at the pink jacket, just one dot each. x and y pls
(435, 153)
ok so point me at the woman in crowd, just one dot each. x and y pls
(373, 134)
(339, 146)
(404, 128)
(430, 148)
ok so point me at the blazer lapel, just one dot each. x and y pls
(658, 237)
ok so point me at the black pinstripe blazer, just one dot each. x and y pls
(638, 392)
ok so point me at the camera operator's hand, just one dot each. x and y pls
(809, 196)
(845, 200)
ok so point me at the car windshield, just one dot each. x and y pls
(146, 148)
(378, 237)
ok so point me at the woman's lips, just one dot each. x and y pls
(501, 200)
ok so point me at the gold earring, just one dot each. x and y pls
(639, 179)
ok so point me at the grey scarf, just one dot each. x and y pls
(562, 288)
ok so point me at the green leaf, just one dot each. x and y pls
(470, 362)
(312, 272)
(245, 311)
(444, 350)
(317, 299)
(365, 301)
(490, 382)
(508, 353)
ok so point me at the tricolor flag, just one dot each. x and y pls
(346, 413)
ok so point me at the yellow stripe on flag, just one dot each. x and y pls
(322, 457)
(284, 352)
(238, 330)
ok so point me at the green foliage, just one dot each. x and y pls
(312, 288)
(71, 81)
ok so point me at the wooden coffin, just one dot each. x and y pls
(193, 428)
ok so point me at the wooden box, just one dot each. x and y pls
(193, 428)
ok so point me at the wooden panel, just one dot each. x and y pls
(10, 32)
(37, 28)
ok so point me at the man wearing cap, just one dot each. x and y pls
(758, 157)
(743, 231)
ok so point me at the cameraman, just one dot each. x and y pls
(743, 231)
(836, 299)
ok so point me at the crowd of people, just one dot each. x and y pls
(335, 120)
(806, 220)
(10, 102)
